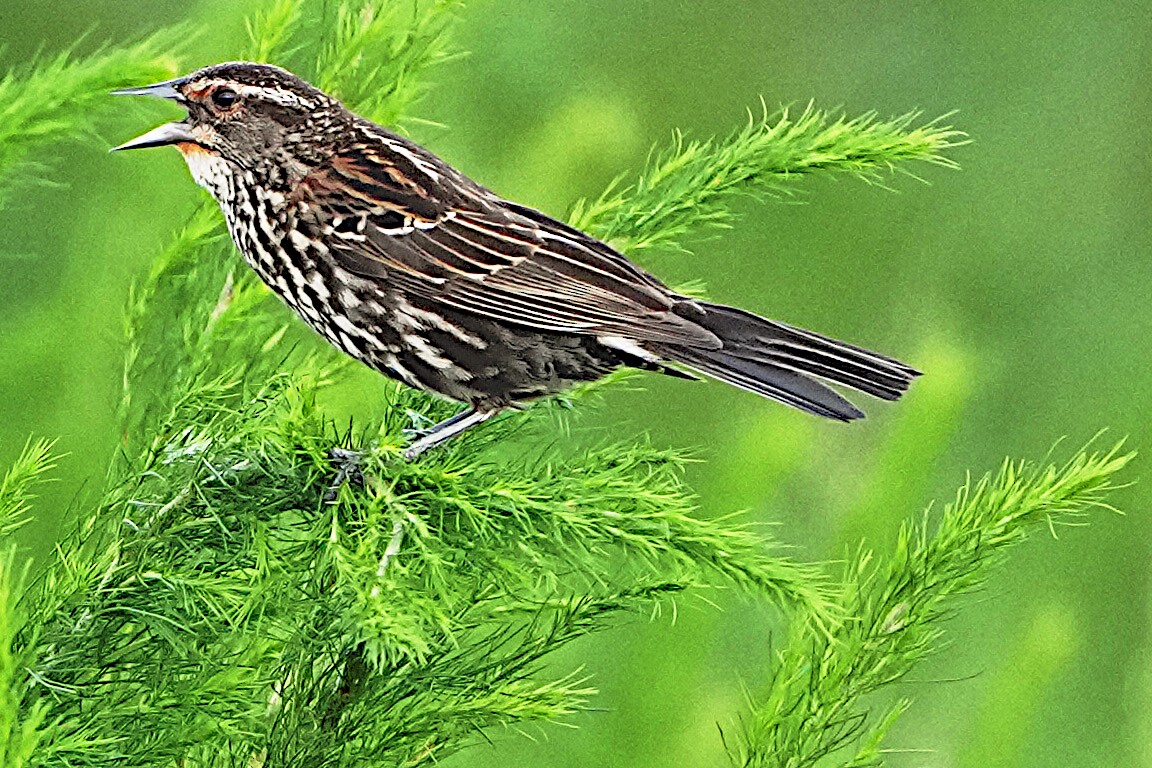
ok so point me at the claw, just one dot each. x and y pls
(347, 470)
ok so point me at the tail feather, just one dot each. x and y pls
(778, 361)
(771, 381)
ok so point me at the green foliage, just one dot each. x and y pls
(688, 185)
(380, 51)
(896, 605)
(217, 606)
(374, 54)
(24, 722)
(270, 30)
(16, 488)
(58, 99)
(22, 718)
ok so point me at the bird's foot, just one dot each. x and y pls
(347, 464)
(348, 470)
(419, 425)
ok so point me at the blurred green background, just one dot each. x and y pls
(1019, 284)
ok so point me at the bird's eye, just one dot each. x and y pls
(225, 98)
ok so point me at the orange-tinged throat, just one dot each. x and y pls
(187, 148)
(207, 167)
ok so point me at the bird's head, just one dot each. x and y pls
(244, 116)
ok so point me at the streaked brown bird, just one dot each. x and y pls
(409, 266)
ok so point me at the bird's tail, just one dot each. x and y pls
(778, 361)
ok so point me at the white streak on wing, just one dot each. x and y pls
(544, 234)
(392, 364)
(316, 281)
(300, 240)
(406, 229)
(627, 346)
(347, 344)
(343, 277)
(274, 198)
(349, 298)
(282, 285)
(420, 163)
(347, 326)
(418, 318)
(432, 356)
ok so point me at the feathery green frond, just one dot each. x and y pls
(34, 462)
(271, 30)
(24, 721)
(60, 99)
(377, 57)
(689, 186)
(812, 708)
(396, 621)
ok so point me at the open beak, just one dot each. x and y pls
(161, 136)
(169, 89)
(164, 135)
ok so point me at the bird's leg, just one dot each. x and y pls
(347, 469)
(446, 430)
(420, 424)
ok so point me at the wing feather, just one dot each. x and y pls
(477, 253)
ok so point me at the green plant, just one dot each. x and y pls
(212, 608)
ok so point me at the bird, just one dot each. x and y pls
(409, 266)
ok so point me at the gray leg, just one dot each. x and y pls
(446, 430)
(418, 430)
(347, 470)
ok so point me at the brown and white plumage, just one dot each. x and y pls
(408, 265)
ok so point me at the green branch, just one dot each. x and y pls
(897, 605)
(16, 489)
(58, 99)
(378, 57)
(690, 185)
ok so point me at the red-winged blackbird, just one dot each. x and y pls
(406, 264)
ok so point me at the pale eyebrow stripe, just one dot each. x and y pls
(275, 95)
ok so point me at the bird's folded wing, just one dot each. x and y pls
(479, 254)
